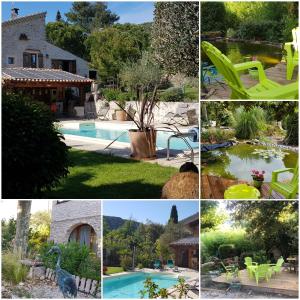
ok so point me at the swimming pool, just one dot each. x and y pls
(129, 285)
(109, 134)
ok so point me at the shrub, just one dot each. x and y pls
(217, 135)
(34, 156)
(260, 257)
(226, 250)
(140, 266)
(292, 124)
(8, 233)
(77, 260)
(111, 94)
(12, 270)
(172, 94)
(126, 262)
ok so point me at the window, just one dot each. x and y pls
(84, 235)
(11, 60)
(32, 60)
(23, 37)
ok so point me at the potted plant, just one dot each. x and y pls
(258, 178)
(143, 78)
(116, 96)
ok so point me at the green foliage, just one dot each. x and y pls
(226, 250)
(114, 46)
(260, 257)
(68, 37)
(34, 156)
(249, 122)
(172, 94)
(210, 218)
(111, 94)
(217, 135)
(174, 215)
(173, 55)
(214, 238)
(77, 260)
(292, 125)
(182, 288)
(12, 269)
(8, 232)
(152, 290)
(213, 15)
(91, 15)
(113, 270)
(126, 262)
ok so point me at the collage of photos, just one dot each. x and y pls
(150, 149)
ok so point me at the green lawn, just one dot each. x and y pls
(113, 270)
(98, 176)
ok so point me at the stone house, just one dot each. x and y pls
(78, 221)
(187, 249)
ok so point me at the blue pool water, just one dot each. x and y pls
(128, 286)
(89, 130)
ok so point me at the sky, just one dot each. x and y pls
(8, 208)
(129, 12)
(155, 211)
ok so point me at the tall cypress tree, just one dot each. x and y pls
(58, 16)
(174, 214)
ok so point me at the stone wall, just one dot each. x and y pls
(68, 215)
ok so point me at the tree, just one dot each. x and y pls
(34, 156)
(174, 214)
(210, 217)
(114, 46)
(22, 229)
(213, 16)
(58, 16)
(274, 223)
(175, 37)
(91, 16)
(68, 37)
(8, 233)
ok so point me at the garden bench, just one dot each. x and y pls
(265, 89)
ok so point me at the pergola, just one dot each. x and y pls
(41, 83)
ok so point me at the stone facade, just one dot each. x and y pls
(27, 34)
(67, 215)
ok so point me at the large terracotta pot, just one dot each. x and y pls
(143, 144)
(121, 115)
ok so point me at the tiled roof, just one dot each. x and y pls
(188, 241)
(190, 219)
(41, 75)
(24, 18)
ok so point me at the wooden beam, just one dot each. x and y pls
(46, 84)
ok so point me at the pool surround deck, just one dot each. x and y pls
(285, 283)
(121, 149)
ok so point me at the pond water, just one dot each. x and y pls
(238, 52)
(236, 162)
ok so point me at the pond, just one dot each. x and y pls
(236, 162)
(238, 52)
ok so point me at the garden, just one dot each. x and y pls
(249, 150)
(143, 68)
(249, 249)
(33, 266)
(259, 41)
(138, 257)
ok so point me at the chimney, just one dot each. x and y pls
(14, 13)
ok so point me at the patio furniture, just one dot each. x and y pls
(288, 189)
(263, 271)
(292, 53)
(276, 268)
(242, 191)
(103, 110)
(251, 266)
(265, 89)
(182, 116)
(230, 270)
(157, 264)
(170, 263)
(293, 263)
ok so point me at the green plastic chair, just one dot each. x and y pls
(241, 191)
(265, 89)
(292, 53)
(288, 189)
(263, 271)
(170, 263)
(230, 270)
(251, 266)
(276, 268)
(157, 264)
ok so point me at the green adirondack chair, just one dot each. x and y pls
(251, 266)
(230, 270)
(276, 268)
(292, 53)
(263, 271)
(287, 189)
(265, 89)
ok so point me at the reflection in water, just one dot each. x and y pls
(239, 52)
(237, 162)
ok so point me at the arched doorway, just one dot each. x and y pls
(85, 235)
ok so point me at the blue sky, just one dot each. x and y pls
(129, 12)
(155, 211)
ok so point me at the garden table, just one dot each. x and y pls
(293, 262)
(242, 191)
